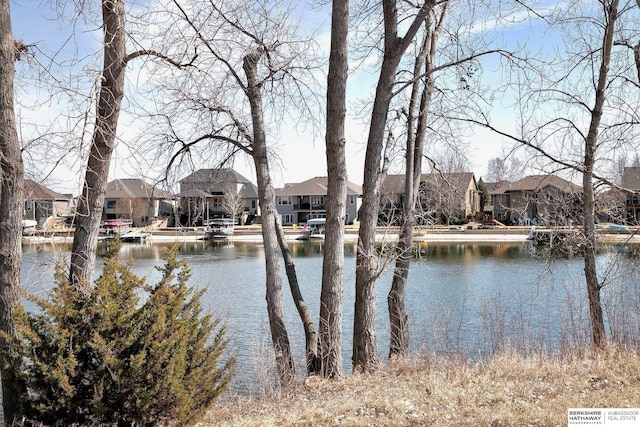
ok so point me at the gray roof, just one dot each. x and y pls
(631, 178)
(133, 188)
(215, 176)
(538, 182)
(315, 187)
(215, 181)
(492, 187)
(36, 191)
(249, 191)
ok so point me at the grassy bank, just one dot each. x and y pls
(507, 390)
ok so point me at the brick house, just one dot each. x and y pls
(136, 200)
(537, 198)
(443, 198)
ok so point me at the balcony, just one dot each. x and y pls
(309, 207)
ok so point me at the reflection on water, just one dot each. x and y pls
(463, 252)
(471, 299)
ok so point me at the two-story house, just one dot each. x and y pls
(41, 203)
(443, 198)
(217, 193)
(300, 202)
(546, 199)
(136, 200)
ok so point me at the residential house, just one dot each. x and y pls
(136, 200)
(631, 181)
(300, 202)
(41, 203)
(548, 199)
(217, 193)
(443, 198)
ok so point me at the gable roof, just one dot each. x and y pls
(458, 180)
(394, 183)
(538, 182)
(631, 178)
(249, 191)
(215, 176)
(314, 187)
(36, 191)
(492, 187)
(133, 188)
(214, 181)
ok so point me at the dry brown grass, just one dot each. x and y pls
(508, 390)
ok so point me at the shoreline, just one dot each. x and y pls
(253, 234)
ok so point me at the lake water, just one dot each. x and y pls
(462, 299)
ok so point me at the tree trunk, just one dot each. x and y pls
(311, 338)
(596, 318)
(398, 318)
(90, 204)
(365, 356)
(266, 194)
(11, 200)
(331, 297)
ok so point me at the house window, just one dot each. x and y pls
(283, 200)
(110, 204)
(500, 200)
(287, 219)
(317, 200)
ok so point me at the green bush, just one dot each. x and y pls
(104, 356)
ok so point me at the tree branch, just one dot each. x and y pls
(150, 52)
(208, 45)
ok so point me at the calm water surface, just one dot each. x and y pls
(468, 299)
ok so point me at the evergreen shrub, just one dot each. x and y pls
(122, 352)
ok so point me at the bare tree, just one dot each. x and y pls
(596, 318)
(270, 220)
(435, 116)
(246, 67)
(504, 169)
(365, 352)
(421, 93)
(232, 202)
(11, 188)
(330, 326)
(91, 201)
(576, 115)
